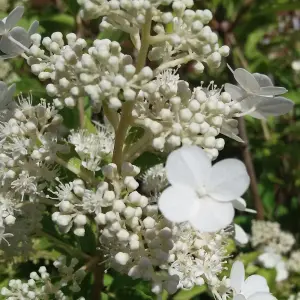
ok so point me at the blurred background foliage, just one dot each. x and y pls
(264, 36)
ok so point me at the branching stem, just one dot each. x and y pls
(126, 116)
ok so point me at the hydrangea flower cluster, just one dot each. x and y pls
(39, 286)
(173, 236)
(274, 244)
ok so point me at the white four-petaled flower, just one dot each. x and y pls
(15, 40)
(201, 193)
(255, 287)
(257, 95)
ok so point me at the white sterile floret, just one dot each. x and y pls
(270, 259)
(201, 193)
(257, 95)
(255, 287)
(15, 40)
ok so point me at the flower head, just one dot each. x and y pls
(255, 287)
(201, 193)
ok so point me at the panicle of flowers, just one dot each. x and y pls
(269, 234)
(39, 286)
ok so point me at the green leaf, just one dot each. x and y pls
(148, 160)
(187, 295)
(57, 21)
(251, 47)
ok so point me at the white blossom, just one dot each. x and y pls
(15, 40)
(269, 259)
(200, 193)
(255, 287)
(257, 95)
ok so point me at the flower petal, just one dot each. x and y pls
(188, 166)
(272, 91)
(227, 131)
(177, 203)
(240, 236)
(282, 271)
(3, 90)
(274, 106)
(262, 296)
(239, 297)
(246, 80)
(2, 27)
(237, 276)
(235, 92)
(255, 284)
(9, 47)
(228, 180)
(263, 80)
(240, 204)
(14, 17)
(33, 28)
(269, 260)
(211, 215)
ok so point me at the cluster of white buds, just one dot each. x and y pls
(198, 258)
(102, 71)
(189, 34)
(92, 148)
(70, 212)
(294, 262)
(269, 234)
(175, 115)
(39, 286)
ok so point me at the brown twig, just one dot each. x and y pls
(247, 156)
(250, 169)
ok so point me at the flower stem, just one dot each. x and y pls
(174, 63)
(138, 148)
(80, 106)
(126, 116)
(17, 43)
(111, 116)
